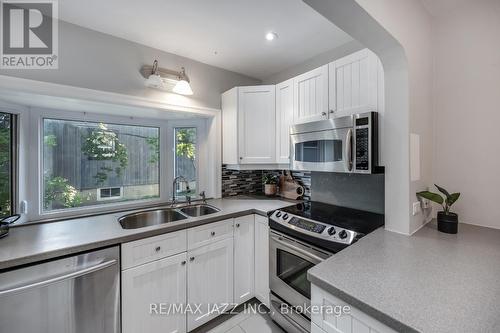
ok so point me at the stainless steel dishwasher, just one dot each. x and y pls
(79, 294)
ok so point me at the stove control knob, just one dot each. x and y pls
(331, 231)
(285, 216)
(278, 214)
(343, 234)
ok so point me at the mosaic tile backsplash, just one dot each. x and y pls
(236, 182)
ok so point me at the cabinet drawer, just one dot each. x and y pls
(209, 233)
(153, 248)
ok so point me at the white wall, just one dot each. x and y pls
(399, 33)
(90, 59)
(410, 23)
(467, 108)
(314, 62)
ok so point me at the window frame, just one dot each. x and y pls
(37, 116)
(14, 158)
(202, 176)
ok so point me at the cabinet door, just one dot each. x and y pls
(262, 259)
(210, 281)
(256, 125)
(243, 258)
(284, 119)
(353, 83)
(146, 287)
(311, 95)
(229, 106)
(354, 321)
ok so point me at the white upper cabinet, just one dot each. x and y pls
(243, 258)
(354, 84)
(284, 119)
(249, 125)
(311, 96)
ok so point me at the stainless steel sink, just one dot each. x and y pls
(150, 217)
(199, 210)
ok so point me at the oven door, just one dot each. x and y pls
(328, 150)
(289, 263)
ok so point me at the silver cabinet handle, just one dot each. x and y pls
(237, 225)
(323, 114)
(332, 111)
(212, 233)
(348, 150)
(191, 259)
(183, 262)
(158, 248)
(60, 278)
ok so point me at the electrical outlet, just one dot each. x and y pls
(416, 208)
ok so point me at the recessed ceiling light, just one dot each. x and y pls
(271, 36)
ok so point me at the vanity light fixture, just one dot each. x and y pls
(167, 79)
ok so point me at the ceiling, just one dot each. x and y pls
(223, 33)
(440, 7)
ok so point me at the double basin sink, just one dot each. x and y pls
(165, 215)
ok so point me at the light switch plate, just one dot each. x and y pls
(416, 208)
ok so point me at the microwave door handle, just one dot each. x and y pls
(348, 150)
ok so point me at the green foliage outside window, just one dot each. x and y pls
(186, 143)
(5, 160)
(103, 145)
(58, 190)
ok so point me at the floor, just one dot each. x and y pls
(247, 323)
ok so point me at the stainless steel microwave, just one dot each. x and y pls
(345, 144)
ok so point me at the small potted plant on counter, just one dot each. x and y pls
(270, 184)
(447, 221)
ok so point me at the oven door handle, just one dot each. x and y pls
(297, 249)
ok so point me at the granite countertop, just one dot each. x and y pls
(429, 282)
(35, 242)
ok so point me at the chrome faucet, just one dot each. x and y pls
(203, 197)
(174, 187)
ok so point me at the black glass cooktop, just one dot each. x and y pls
(352, 219)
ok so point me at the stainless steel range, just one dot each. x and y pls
(302, 236)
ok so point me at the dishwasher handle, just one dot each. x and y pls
(60, 278)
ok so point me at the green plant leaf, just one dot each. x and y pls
(434, 197)
(452, 198)
(442, 190)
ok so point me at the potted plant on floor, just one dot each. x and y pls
(447, 221)
(270, 184)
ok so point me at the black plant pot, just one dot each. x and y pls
(447, 223)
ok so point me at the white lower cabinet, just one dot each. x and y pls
(262, 259)
(218, 270)
(352, 321)
(147, 292)
(243, 258)
(210, 281)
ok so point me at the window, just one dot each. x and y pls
(90, 163)
(6, 163)
(186, 160)
(109, 193)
